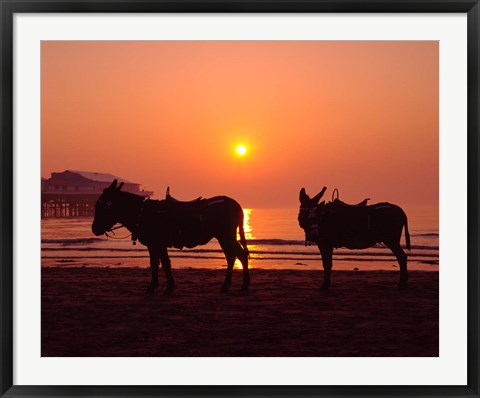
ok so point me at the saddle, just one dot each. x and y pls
(183, 221)
(349, 221)
(171, 200)
(338, 202)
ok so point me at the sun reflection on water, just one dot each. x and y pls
(247, 227)
(246, 224)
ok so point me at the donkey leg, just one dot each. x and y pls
(167, 267)
(327, 261)
(402, 261)
(243, 257)
(230, 254)
(154, 261)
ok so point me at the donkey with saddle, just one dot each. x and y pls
(337, 224)
(161, 224)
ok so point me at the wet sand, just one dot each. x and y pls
(105, 312)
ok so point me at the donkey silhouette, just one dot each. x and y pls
(161, 224)
(337, 224)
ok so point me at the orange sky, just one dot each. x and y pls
(359, 116)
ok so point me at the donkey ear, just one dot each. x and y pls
(167, 194)
(113, 185)
(120, 186)
(319, 195)
(303, 195)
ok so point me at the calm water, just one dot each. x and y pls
(274, 238)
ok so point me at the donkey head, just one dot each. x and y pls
(308, 214)
(106, 210)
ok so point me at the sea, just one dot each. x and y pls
(274, 239)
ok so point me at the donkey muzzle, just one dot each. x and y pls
(312, 235)
(97, 231)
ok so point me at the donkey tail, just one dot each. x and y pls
(407, 235)
(243, 241)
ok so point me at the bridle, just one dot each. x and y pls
(312, 211)
(103, 202)
(134, 234)
(312, 215)
(106, 205)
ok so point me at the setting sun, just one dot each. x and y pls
(241, 150)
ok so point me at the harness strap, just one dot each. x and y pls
(113, 237)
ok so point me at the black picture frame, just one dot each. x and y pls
(9, 7)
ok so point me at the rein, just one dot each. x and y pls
(113, 229)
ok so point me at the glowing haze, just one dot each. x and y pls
(359, 116)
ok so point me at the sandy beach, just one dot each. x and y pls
(105, 312)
